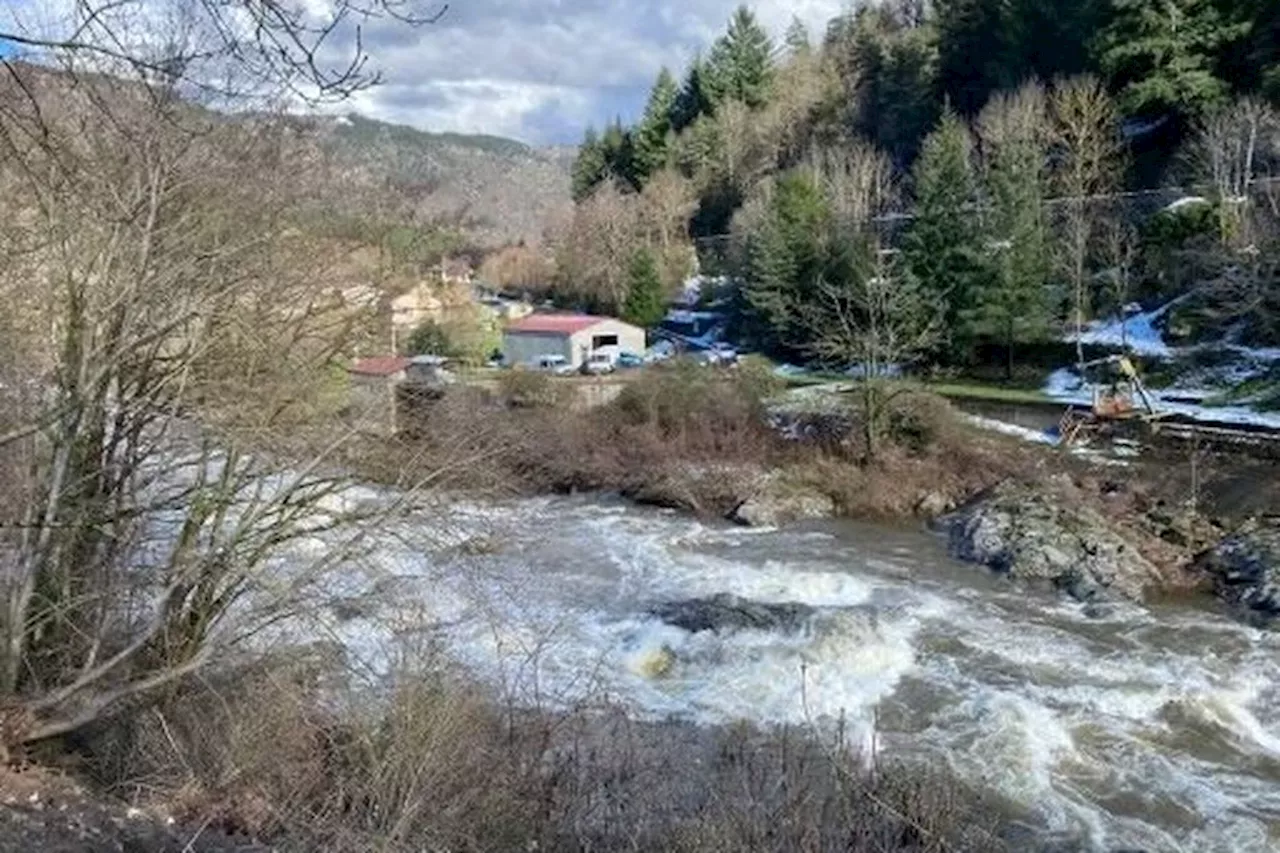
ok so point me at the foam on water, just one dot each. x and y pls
(1159, 731)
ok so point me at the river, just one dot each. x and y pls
(1149, 728)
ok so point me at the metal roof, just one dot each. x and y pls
(555, 324)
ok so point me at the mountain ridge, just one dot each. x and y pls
(499, 190)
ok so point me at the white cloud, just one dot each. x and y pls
(541, 70)
(538, 70)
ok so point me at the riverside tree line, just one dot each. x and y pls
(983, 206)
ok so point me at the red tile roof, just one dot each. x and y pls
(385, 365)
(555, 324)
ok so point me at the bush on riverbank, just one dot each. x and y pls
(702, 440)
(440, 766)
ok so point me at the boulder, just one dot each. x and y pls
(776, 501)
(707, 490)
(1245, 569)
(730, 612)
(1034, 535)
(933, 504)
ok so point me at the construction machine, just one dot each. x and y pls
(1119, 403)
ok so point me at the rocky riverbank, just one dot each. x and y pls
(1094, 538)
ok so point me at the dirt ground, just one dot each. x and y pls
(41, 810)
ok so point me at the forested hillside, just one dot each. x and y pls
(495, 189)
(942, 180)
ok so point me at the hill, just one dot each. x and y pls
(500, 190)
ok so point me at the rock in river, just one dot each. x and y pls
(1034, 535)
(1245, 569)
(726, 612)
(776, 501)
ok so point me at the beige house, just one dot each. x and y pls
(573, 336)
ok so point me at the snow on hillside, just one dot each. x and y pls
(1137, 331)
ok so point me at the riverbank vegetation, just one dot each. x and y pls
(704, 440)
(435, 763)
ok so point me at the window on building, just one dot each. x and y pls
(604, 341)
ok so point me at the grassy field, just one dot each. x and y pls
(955, 389)
(983, 391)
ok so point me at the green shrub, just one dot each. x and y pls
(430, 338)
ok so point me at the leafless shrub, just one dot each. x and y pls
(438, 765)
(174, 360)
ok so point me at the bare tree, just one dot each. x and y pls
(1228, 149)
(1086, 136)
(593, 254)
(880, 319)
(166, 404)
(856, 179)
(522, 268)
(218, 48)
(1120, 252)
(665, 206)
(868, 310)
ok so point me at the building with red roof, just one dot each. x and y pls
(532, 340)
(385, 366)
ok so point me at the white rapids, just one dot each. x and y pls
(1152, 729)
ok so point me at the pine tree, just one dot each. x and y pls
(974, 45)
(891, 73)
(943, 246)
(786, 258)
(644, 305)
(797, 38)
(1265, 52)
(618, 152)
(652, 134)
(590, 167)
(740, 66)
(691, 103)
(1011, 303)
(1163, 55)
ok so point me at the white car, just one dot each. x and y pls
(598, 363)
(554, 364)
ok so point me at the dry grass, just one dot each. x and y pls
(438, 766)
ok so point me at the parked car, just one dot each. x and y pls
(725, 354)
(554, 364)
(629, 359)
(660, 351)
(705, 357)
(597, 364)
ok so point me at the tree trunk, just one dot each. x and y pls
(1008, 352)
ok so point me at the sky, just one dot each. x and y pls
(535, 70)
(542, 70)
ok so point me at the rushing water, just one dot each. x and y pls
(1156, 729)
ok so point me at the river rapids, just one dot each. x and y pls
(1145, 728)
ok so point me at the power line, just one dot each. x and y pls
(1056, 201)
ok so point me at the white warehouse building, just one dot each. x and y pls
(576, 337)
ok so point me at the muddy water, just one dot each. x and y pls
(1155, 729)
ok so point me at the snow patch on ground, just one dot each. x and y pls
(1012, 430)
(1138, 332)
(1066, 386)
